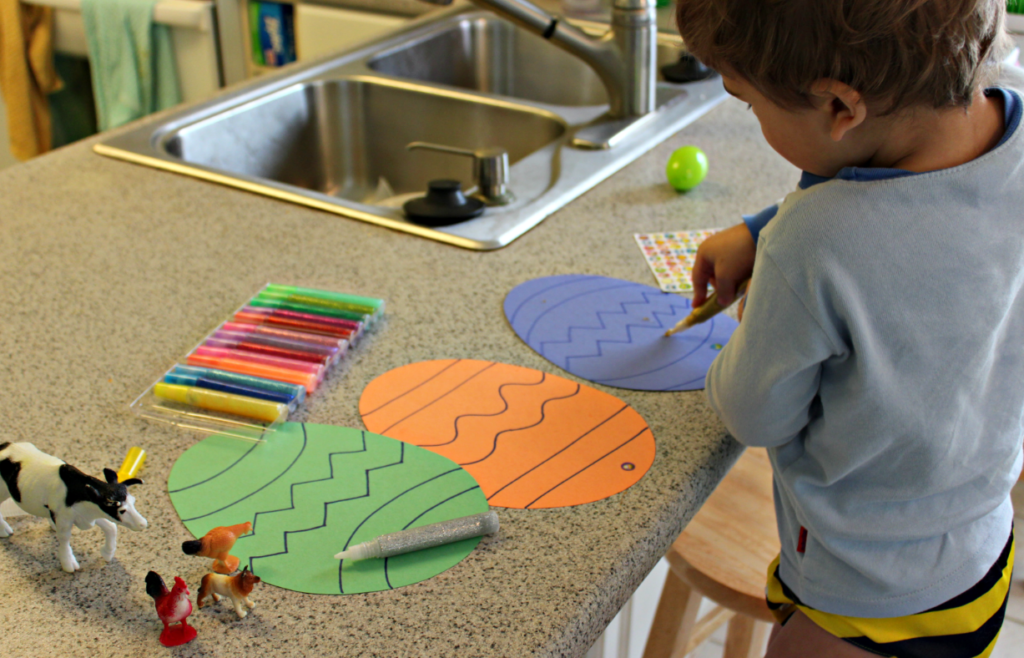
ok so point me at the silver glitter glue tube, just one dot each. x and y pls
(427, 536)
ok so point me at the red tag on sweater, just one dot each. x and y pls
(801, 542)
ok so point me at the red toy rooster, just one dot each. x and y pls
(216, 544)
(172, 606)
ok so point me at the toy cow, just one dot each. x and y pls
(48, 488)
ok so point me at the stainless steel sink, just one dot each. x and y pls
(332, 134)
(495, 57)
(347, 138)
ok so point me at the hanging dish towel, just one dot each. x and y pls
(27, 75)
(132, 60)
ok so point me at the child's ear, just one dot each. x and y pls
(843, 106)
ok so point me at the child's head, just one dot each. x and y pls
(790, 59)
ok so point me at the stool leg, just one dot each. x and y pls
(673, 620)
(745, 638)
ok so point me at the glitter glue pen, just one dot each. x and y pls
(265, 410)
(427, 536)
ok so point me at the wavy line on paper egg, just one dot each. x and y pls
(543, 416)
(543, 378)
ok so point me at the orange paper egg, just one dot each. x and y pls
(529, 438)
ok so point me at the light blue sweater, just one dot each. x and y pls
(881, 361)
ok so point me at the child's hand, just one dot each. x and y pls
(724, 260)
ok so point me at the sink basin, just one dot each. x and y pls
(346, 137)
(332, 134)
(493, 56)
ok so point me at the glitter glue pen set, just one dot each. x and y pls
(255, 368)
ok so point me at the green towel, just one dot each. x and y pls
(132, 60)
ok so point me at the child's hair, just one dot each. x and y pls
(896, 53)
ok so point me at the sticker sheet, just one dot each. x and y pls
(670, 256)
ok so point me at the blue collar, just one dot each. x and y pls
(1012, 108)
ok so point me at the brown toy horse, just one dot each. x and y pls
(216, 544)
(237, 588)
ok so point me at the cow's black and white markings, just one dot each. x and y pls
(9, 471)
(46, 487)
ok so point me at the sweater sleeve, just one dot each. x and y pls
(758, 221)
(763, 384)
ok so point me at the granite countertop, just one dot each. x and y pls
(110, 271)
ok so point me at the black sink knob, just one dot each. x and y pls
(443, 205)
(687, 69)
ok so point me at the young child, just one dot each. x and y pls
(880, 357)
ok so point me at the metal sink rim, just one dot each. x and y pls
(144, 143)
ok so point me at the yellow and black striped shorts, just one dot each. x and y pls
(966, 626)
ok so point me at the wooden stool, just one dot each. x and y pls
(723, 554)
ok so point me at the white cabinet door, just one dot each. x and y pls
(322, 30)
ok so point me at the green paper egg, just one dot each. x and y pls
(311, 491)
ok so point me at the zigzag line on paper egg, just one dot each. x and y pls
(599, 314)
(291, 489)
(366, 473)
(348, 542)
(419, 516)
(543, 377)
(249, 495)
(600, 318)
(621, 284)
(494, 443)
(709, 325)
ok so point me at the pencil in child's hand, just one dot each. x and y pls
(705, 311)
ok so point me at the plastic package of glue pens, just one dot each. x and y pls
(259, 365)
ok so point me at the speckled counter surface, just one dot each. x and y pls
(109, 272)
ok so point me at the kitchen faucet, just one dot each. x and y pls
(625, 59)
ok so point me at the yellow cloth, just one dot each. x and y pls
(27, 75)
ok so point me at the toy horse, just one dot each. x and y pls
(237, 588)
(216, 544)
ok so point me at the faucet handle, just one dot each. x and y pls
(490, 169)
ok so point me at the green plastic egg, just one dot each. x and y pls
(686, 168)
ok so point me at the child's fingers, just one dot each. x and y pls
(699, 289)
(726, 292)
(700, 276)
